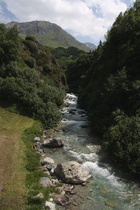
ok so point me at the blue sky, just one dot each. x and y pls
(86, 20)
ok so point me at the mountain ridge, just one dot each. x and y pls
(48, 34)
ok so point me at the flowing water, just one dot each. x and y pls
(105, 190)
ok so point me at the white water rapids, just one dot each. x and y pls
(105, 190)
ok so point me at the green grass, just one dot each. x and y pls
(12, 160)
(20, 164)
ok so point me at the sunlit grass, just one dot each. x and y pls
(12, 160)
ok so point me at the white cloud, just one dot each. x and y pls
(89, 18)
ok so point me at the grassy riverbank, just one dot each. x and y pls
(12, 160)
(20, 164)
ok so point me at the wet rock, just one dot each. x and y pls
(72, 172)
(49, 205)
(66, 104)
(84, 126)
(83, 115)
(61, 199)
(45, 182)
(111, 204)
(81, 112)
(53, 142)
(65, 130)
(71, 111)
(68, 189)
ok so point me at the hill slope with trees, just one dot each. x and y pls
(110, 90)
(31, 81)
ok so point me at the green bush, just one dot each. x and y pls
(30, 62)
(122, 141)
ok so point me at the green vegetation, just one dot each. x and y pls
(20, 164)
(66, 56)
(13, 191)
(31, 81)
(77, 72)
(109, 88)
(34, 173)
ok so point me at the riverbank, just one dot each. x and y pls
(107, 189)
(12, 160)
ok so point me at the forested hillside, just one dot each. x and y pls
(31, 81)
(109, 88)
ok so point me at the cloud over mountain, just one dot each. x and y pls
(83, 18)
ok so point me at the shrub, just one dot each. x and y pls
(122, 141)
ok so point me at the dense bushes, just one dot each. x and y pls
(123, 141)
(24, 87)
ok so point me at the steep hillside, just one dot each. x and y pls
(48, 34)
(31, 80)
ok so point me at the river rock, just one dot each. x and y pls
(72, 112)
(61, 199)
(45, 182)
(72, 172)
(48, 161)
(49, 205)
(81, 112)
(48, 165)
(84, 126)
(53, 142)
(37, 139)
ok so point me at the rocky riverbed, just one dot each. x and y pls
(72, 158)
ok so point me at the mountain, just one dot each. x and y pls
(5, 14)
(91, 45)
(48, 34)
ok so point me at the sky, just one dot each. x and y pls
(86, 20)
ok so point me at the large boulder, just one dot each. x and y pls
(53, 142)
(72, 172)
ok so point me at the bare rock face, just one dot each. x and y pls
(72, 172)
(53, 142)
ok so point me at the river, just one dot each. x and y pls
(105, 190)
